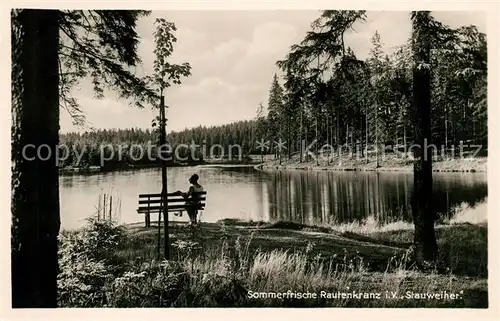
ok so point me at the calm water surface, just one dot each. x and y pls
(301, 196)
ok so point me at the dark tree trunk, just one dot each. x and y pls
(317, 142)
(445, 131)
(331, 137)
(422, 207)
(328, 139)
(353, 133)
(35, 182)
(306, 142)
(366, 134)
(300, 134)
(289, 139)
(339, 145)
(164, 187)
(360, 134)
(377, 165)
(404, 139)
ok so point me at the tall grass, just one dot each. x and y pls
(464, 213)
(109, 206)
(94, 273)
(370, 225)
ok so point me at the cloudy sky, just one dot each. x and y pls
(233, 55)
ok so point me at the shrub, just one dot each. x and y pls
(87, 263)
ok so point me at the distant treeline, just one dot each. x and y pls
(138, 147)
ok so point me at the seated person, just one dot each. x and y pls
(192, 198)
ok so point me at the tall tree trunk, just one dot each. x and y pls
(455, 139)
(337, 132)
(404, 138)
(289, 146)
(445, 131)
(278, 150)
(328, 139)
(306, 155)
(35, 182)
(395, 144)
(377, 165)
(164, 172)
(463, 122)
(300, 135)
(353, 132)
(366, 134)
(473, 131)
(331, 138)
(360, 124)
(347, 137)
(317, 143)
(422, 206)
(347, 134)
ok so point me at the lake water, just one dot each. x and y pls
(310, 197)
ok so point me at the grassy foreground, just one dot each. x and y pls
(236, 264)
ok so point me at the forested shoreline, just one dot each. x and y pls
(123, 148)
(331, 96)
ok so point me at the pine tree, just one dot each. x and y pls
(261, 130)
(276, 116)
(378, 78)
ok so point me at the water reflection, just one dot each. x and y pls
(344, 197)
(244, 193)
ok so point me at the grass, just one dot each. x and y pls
(233, 264)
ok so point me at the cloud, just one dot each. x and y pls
(462, 18)
(211, 101)
(263, 44)
(217, 61)
(257, 64)
(232, 78)
(394, 29)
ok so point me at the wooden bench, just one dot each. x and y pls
(153, 203)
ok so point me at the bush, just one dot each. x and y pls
(155, 285)
(81, 279)
(87, 263)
